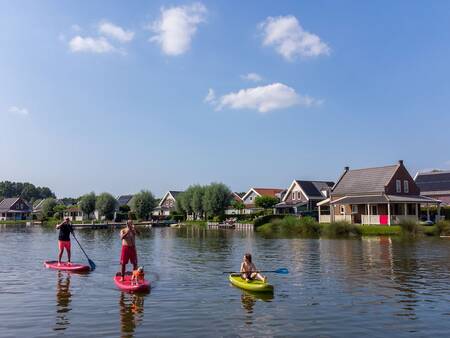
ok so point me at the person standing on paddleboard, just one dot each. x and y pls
(65, 228)
(128, 254)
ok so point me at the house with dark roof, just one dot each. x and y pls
(382, 195)
(303, 196)
(249, 198)
(15, 208)
(123, 200)
(167, 204)
(434, 184)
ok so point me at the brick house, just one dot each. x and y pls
(167, 204)
(303, 196)
(434, 184)
(382, 195)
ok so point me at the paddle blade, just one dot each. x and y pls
(91, 264)
(282, 270)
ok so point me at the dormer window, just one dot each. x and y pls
(406, 186)
(398, 186)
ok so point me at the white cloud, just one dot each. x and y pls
(289, 39)
(115, 32)
(210, 97)
(254, 77)
(263, 98)
(177, 26)
(98, 45)
(18, 111)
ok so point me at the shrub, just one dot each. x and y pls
(443, 228)
(341, 228)
(379, 230)
(267, 219)
(410, 227)
(291, 225)
(309, 226)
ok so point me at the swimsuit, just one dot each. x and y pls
(128, 254)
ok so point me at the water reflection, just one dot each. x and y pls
(131, 313)
(63, 300)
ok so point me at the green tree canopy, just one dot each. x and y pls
(47, 207)
(142, 204)
(26, 190)
(265, 202)
(216, 199)
(87, 203)
(238, 205)
(106, 205)
(184, 201)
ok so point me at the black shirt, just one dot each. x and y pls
(64, 232)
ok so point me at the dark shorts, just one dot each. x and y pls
(128, 254)
(248, 275)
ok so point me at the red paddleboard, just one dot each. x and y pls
(74, 267)
(125, 285)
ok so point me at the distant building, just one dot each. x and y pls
(124, 200)
(382, 195)
(434, 184)
(249, 198)
(74, 213)
(15, 208)
(303, 196)
(167, 204)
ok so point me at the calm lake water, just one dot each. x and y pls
(336, 288)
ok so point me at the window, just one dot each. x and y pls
(342, 208)
(398, 185)
(405, 186)
(374, 210)
(299, 195)
(354, 209)
(293, 195)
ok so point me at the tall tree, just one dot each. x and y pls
(216, 199)
(47, 207)
(142, 204)
(87, 204)
(196, 203)
(106, 205)
(184, 201)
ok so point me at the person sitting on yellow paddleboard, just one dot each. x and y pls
(248, 270)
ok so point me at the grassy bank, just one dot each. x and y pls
(308, 227)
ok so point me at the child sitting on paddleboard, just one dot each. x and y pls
(248, 270)
(65, 228)
(128, 254)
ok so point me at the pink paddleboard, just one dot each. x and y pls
(125, 285)
(74, 267)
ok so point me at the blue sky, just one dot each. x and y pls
(110, 96)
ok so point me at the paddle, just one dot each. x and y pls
(283, 271)
(91, 263)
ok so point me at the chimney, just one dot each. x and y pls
(400, 162)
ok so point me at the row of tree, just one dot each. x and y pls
(203, 201)
(26, 190)
(105, 204)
